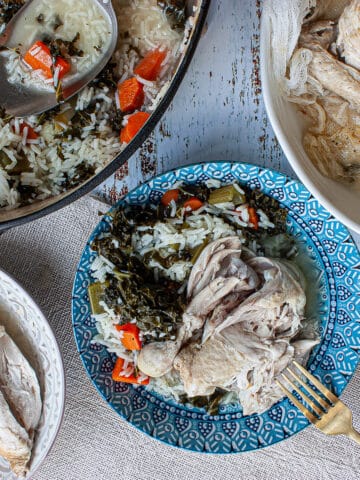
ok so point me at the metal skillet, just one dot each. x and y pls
(25, 214)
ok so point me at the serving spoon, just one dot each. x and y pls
(20, 100)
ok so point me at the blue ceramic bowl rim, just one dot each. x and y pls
(165, 180)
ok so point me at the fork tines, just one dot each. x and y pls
(317, 403)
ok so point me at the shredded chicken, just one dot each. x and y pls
(241, 327)
(251, 341)
(329, 43)
(348, 40)
(20, 405)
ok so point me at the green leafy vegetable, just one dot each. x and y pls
(175, 12)
(8, 9)
(211, 403)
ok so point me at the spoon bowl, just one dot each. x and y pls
(21, 100)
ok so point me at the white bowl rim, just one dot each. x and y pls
(51, 333)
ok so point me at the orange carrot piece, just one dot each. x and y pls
(38, 57)
(253, 217)
(193, 204)
(169, 196)
(117, 377)
(31, 135)
(64, 66)
(135, 122)
(150, 66)
(131, 95)
(130, 337)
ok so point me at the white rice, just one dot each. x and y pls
(55, 161)
(81, 17)
(160, 238)
(264, 220)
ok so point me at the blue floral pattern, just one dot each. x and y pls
(334, 262)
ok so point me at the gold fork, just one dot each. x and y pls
(331, 416)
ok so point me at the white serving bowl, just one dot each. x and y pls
(342, 200)
(28, 327)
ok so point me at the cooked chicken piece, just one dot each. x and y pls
(220, 265)
(333, 140)
(207, 300)
(233, 266)
(19, 384)
(336, 156)
(348, 41)
(276, 308)
(219, 261)
(221, 312)
(235, 355)
(328, 9)
(15, 444)
(155, 359)
(248, 282)
(214, 364)
(334, 75)
(322, 33)
(302, 347)
(252, 344)
(202, 262)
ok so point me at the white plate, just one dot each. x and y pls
(340, 199)
(28, 327)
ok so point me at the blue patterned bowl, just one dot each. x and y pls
(331, 261)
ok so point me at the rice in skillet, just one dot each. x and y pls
(45, 155)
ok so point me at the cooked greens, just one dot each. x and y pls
(175, 12)
(132, 289)
(8, 9)
(63, 48)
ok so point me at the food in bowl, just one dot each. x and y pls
(199, 297)
(20, 405)
(317, 64)
(58, 39)
(46, 155)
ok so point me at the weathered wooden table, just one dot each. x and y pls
(218, 112)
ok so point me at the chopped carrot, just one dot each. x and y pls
(130, 336)
(135, 122)
(193, 204)
(131, 95)
(38, 57)
(253, 217)
(150, 66)
(63, 65)
(117, 377)
(169, 196)
(31, 134)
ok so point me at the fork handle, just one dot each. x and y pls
(354, 435)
